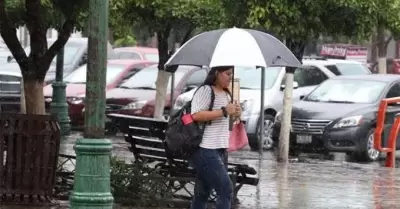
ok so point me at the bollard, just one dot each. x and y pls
(380, 124)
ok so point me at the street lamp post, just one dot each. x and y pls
(58, 105)
(92, 178)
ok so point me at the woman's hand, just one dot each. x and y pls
(238, 111)
(231, 109)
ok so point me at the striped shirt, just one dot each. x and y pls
(216, 135)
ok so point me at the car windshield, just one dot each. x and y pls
(146, 79)
(348, 69)
(70, 51)
(250, 77)
(347, 91)
(151, 57)
(79, 75)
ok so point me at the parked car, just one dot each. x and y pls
(136, 96)
(117, 72)
(313, 72)
(75, 55)
(137, 53)
(4, 53)
(10, 91)
(340, 116)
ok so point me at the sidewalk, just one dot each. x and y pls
(312, 185)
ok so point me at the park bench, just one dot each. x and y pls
(146, 137)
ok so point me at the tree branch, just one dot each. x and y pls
(187, 35)
(63, 36)
(388, 41)
(9, 35)
(37, 28)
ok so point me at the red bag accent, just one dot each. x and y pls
(238, 138)
(187, 119)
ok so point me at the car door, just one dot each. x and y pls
(391, 111)
(194, 80)
(307, 78)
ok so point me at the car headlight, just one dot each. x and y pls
(75, 100)
(135, 105)
(349, 122)
(179, 103)
(278, 116)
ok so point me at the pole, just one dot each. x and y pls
(92, 178)
(59, 106)
(283, 152)
(260, 142)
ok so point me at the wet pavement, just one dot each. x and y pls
(305, 184)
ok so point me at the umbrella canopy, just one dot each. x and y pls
(233, 46)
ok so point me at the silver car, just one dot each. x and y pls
(306, 79)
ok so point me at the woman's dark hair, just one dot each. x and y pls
(212, 75)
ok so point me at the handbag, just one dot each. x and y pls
(238, 138)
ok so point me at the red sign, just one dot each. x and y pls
(343, 51)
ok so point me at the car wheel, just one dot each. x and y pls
(367, 152)
(267, 142)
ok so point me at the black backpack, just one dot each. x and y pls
(182, 138)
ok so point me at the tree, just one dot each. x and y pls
(298, 22)
(162, 17)
(38, 16)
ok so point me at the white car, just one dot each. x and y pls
(313, 72)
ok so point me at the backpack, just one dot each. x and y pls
(183, 135)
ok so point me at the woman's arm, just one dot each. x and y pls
(206, 115)
(201, 104)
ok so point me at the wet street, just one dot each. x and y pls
(304, 184)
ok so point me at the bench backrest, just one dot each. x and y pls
(147, 138)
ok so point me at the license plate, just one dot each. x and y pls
(303, 139)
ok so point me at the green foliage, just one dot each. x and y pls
(53, 14)
(126, 41)
(137, 183)
(308, 19)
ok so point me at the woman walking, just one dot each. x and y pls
(211, 158)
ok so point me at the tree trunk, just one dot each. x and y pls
(283, 152)
(34, 97)
(382, 65)
(297, 48)
(163, 76)
(22, 104)
(374, 52)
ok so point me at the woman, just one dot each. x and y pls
(211, 158)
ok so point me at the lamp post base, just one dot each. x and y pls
(59, 107)
(92, 188)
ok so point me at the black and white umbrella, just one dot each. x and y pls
(233, 47)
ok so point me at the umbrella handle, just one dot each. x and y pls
(231, 119)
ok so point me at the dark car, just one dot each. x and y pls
(340, 116)
(136, 96)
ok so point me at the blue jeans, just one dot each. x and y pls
(211, 173)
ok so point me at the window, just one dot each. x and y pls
(79, 75)
(250, 77)
(309, 76)
(347, 91)
(70, 52)
(348, 69)
(151, 57)
(394, 91)
(128, 55)
(146, 79)
(197, 78)
(333, 69)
